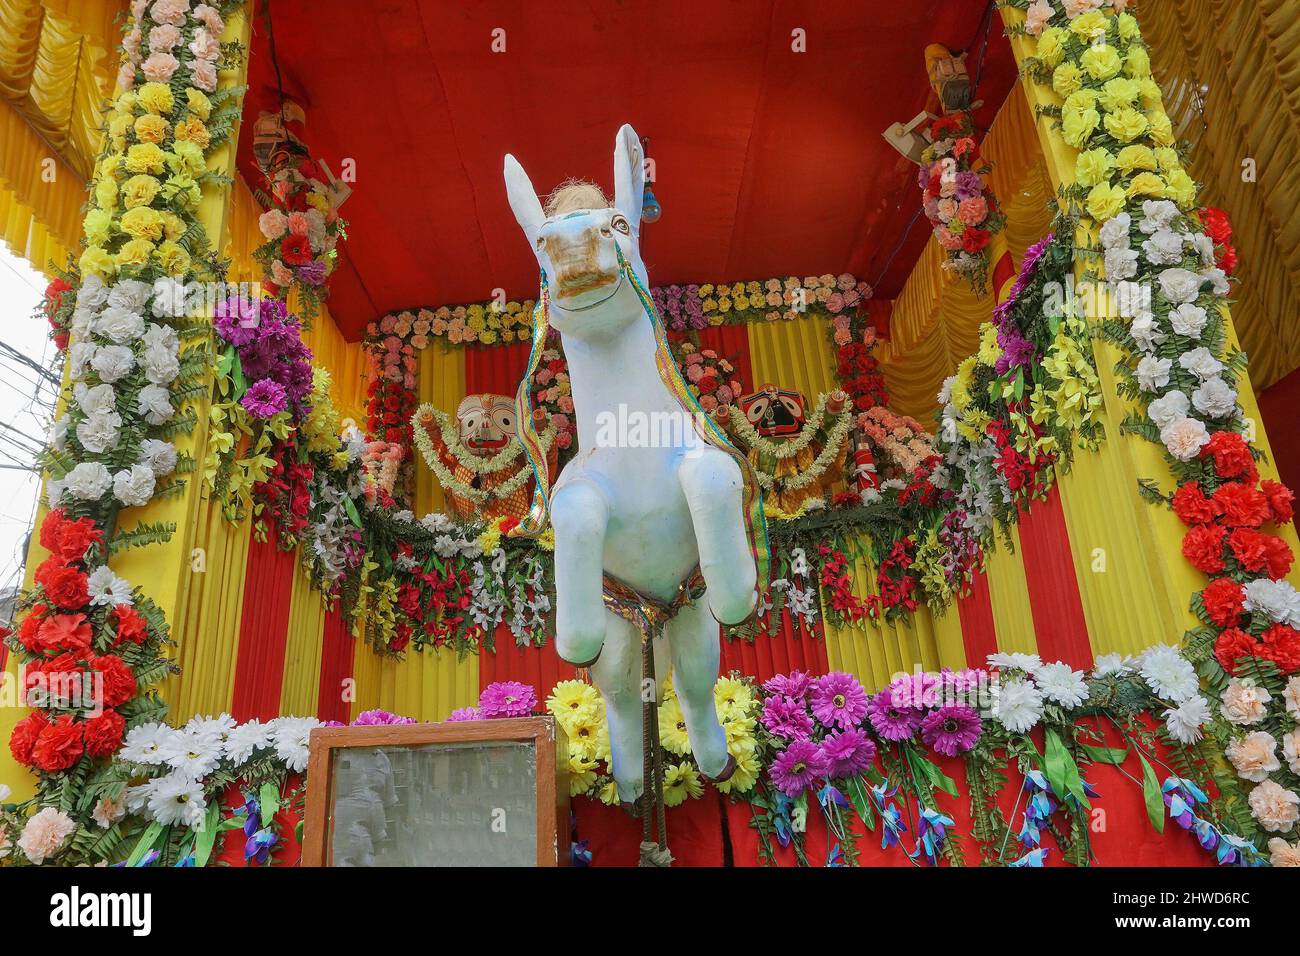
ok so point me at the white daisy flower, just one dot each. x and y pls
(177, 799)
(1109, 664)
(1061, 684)
(1016, 661)
(1184, 722)
(1018, 705)
(290, 738)
(245, 739)
(107, 589)
(147, 744)
(193, 754)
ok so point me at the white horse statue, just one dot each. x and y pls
(637, 523)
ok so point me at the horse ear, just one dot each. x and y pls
(523, 199)
(629, 176)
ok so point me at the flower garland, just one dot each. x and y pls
(712, 379)
(457, 449)
(788, 448)
(835, 439)
(302, 229)
(962, 210)
(1169, 276)
(92, 643)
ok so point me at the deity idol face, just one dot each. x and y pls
(487, 422)
(774, 412)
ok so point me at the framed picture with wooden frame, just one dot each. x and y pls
(462, 793)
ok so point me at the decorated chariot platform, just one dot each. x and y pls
(980, 318)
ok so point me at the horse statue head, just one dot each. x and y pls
(582, 241)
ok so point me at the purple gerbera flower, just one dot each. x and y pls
(848, 753)
(795, 768)
(794, 685)
(465, 713)
(787, 717)
(507, 698)
(891, 721)
(265, 398)
(838, 700)
(375, 718)
(951, 730)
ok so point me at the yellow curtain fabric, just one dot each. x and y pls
(302, 653)
(426, 685)
(40, 220)
(441, 383)
(1232, 87)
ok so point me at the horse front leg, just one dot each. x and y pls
(580, 515)
(713, 487)
(693, 640)
(617, 674)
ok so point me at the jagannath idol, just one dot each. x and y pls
(477, 457)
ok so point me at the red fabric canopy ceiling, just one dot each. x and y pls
(769, 161)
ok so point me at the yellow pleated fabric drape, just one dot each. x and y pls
(1229, 73)
(426, 685)
(300, 685)
(441, 383)
(936, 317)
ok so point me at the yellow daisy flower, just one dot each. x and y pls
(680, 782)
(672, 728)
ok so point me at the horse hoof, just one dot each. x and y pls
(632, 809)
(590, 663)
(728, 769)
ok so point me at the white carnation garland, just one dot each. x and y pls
(834, 443)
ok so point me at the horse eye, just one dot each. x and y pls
(619, 223)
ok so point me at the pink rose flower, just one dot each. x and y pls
(298, 226)
(973, 210)
(708, 403)
(1037, 17)
(565, 404)
(560, 422)
(205, 46)
(170, 11)
(131, 43)
(210, 18)
(281, 275)
(272, 223)
(843, 336)
(126, 77)
(947, 209)
(694, 372)
(159, 67)
(835, 302)
(162, 39)
(204, 75)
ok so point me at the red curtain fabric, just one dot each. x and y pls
(494, 369)
(695, 831)
(978, 633)
(263, 631)
(1059, 625)
(793, 647)
(337, 647)
(539, 666)
(229, 848)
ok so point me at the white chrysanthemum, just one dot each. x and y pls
(1108, 664)
(1201, 363)
(1168, 408)
(80, 355)
(134, 486)
(96, 400)
(1146, 333)
(1179, 285)
(168, 298)
(1018, 705)
(1169, 675)
(93, 293)
(160, 364)
(290, 736)
(1203, 246)
(107, 589)
(1217, 279)
(1058, 682)
(1164, 248)
(177, 799)
(1276, 600)
(159, 456)
(119, 325)
(1015, 661)
(1188, 320)
(1153, 373)
(113, 362)
(1121, 263)
(148, 744)
(99, 433)
(1215, 398)
(59, 432)
(1185, 721)
(162, 337)
(88, 481)
(154, 403)
(1157, 214)
(1114, 232)
(129, 294)
(244, 740)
